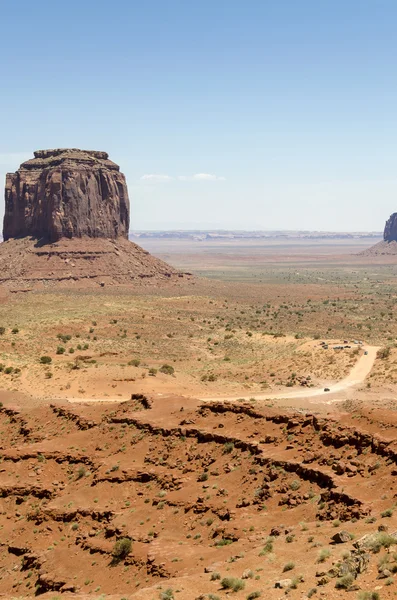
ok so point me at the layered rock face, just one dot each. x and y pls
(66, 223)
(66, 193)
(390, 232)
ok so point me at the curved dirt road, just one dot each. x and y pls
(359, 372)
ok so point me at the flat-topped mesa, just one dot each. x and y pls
(390, 232)
(66, 193)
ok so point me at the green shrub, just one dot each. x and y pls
(383, 352)
(224, 542)
(122, 548)
(45, 360)
(64, 338)
(345, 582)
(60, 350)
(15, 330)
(232, 583)
(81, 472)
(368, 596)
(228, 447)
(153, 372)
(2, 330)
(288, 566)
(134, 362)
(268, 547)
(323, 555)
(296, 581)
(167, 369)
(215, 576)
(387, 513)
(382, 540)
(254, 595)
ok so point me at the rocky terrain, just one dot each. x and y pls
(66, 221)
(170, 498)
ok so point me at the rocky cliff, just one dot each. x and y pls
(66, 193)
(390, 232)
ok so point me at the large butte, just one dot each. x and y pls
(67, 219)
(388, 246)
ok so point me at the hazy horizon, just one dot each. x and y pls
(222, 230)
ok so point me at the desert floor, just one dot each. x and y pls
(230, 460)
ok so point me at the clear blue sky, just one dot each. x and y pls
(222, 113)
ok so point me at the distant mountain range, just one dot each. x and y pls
(200, 235)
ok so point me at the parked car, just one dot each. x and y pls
(326, 389)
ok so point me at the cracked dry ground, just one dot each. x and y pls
(198, 489)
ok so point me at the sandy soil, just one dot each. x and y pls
(357, 375)
(235, 489)
(165, 495)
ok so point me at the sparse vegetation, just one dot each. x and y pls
(323, 555)
(383, 353)
(345, 582)
(228, 447)
(45, 360)
(232, 583)
(122, 548)
(135, 362)
(167, 370)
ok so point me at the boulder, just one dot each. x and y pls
(282, 584)
(355, 564)
(341, 537)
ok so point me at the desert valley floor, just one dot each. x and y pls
(175, 441)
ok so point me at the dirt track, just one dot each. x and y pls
(356, 376)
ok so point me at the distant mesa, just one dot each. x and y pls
(389, 243)
(390, 232)
(67, 218)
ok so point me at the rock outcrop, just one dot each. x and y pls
(66, 193)
(390, 232)
(388, 246)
